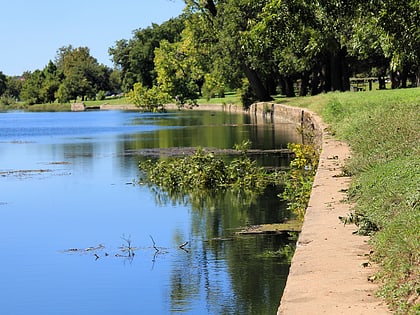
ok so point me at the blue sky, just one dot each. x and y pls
(31, 31)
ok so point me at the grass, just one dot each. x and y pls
(110, 101)
(383, 130)
(230, 98)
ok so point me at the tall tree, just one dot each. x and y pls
(227, 21)
(3, 83)
(83, 75)
(135, 57)
(400, 21)
(32, 85)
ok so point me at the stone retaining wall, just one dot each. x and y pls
(307, 122)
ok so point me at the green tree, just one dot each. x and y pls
(51, 83)
(148, 100)
(32, 85)
(14, 87)
(400, 22)
(135, 57)
(177, 73)
(3, 83)
(83, 75)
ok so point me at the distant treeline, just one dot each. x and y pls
(259, 48)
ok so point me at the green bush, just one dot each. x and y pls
(298, 181)
(101, 96)
(205, 171)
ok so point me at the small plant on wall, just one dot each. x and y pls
(298, 182)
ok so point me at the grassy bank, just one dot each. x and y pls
(383, 130)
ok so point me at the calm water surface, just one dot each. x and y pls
(67, 203)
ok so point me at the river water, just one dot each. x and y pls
(71, 219)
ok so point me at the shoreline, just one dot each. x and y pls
(330, 269)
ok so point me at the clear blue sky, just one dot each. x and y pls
(31, 31)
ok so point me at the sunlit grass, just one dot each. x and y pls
(383, 130)
(230, 98)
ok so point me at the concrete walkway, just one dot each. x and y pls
(327, 275)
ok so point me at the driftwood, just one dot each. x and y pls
(182, 151)
(275, 228)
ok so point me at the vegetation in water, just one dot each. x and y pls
(286, 253)
(298, 181)
(383, 131)
(203, 171)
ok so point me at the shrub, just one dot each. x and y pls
(298, 181)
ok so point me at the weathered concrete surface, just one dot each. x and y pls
(327, 275)
(78, 107)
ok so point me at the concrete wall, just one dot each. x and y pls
(78, 107)
(306, 121)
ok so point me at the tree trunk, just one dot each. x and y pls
(282, 86)
(339, 71)
(404, 77)
(257, 85)
(290, 91)
(395, 82)
(209, 5)
(345, 71)
(304, 83)
(418, 77)
(315, 81)
(326, 77)
(335, 72)
(382, 83)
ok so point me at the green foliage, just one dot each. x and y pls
(148, 100)
(136, 56)
(7, 100)
(101, 95)
(285, 253)
(213, 87)
(177, 73)
(3, 83)
(31, 88)
(298, 182)
(204, 171)
(247, 94)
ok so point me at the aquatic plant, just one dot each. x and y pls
(204, 171)
(298, 181)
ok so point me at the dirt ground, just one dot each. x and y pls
(329, 272)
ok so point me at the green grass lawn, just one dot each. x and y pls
(383, 130)
(230, 98)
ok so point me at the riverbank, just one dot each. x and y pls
(331, 266)
(382, 130)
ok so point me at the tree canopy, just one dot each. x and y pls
(261, 48)
(286, 47)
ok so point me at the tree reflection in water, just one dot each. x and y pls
(222, 271)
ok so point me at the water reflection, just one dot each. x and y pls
(87, 199)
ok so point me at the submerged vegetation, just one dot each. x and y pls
(382, 128)
(204, 171)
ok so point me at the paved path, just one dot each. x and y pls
(326, 275)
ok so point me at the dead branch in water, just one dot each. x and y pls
(154, 244)
(182, 246)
